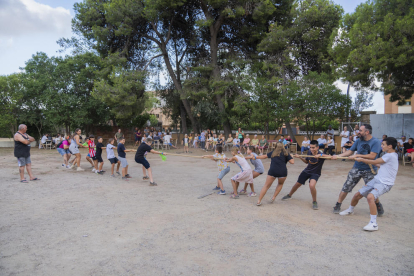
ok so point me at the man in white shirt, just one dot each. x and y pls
(322, 142)
(380, 184)
(167, 140)
(401, 142)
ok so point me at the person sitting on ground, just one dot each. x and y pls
(305, 145)
(331, 146)
(322, 142)
(262, 144)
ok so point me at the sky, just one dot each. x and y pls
(30, 26)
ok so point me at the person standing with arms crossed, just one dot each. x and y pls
(118, 136)
(22, 147)
(367, 147)
(240, 135)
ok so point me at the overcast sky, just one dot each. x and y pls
(30, 26)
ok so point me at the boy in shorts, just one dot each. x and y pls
(311, 172)
(92, 152)
(88, 156)
(111, 157)
(140, 159)
(122, 157)
(380, 184)
(223, 168)
(98, 156)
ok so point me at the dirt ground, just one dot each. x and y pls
(80, 223)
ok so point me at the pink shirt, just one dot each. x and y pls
(246, 141)
(65, 142)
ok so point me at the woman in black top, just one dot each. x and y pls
(140, 159)
(279, 158)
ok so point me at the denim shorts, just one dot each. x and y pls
(63, 151)
(374, 187)
(223, 173)
(23, 161)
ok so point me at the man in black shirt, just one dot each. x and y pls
(22, 142)
(140, 159)
(311, 172)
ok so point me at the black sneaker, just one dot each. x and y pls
(216, 189)
(380, 209)
(153, 184)
(286, 197)
(337, 208)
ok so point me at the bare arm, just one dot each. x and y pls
(371, 156)
(301, 158)
(21, 139)
(370, 161)
(292, 161)
(156, 152)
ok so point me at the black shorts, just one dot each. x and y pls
(99, 158)
(113, 160)
(305, 176)
(143, 161)
(138, 139)
(277, 174)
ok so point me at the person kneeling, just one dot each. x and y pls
(381, 184)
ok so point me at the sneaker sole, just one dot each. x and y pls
(370, 230)
(347, 214)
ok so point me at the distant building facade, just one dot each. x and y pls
(393, 108)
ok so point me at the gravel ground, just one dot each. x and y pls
(79, 223)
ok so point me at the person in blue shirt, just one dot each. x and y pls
(367, 147)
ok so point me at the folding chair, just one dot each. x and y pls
(294, 145)
(156, 144)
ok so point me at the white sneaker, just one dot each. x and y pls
(93, 170)
(371, 227)
(347, 212)
(67, 167)
(79, 169)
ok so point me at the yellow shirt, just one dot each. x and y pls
(255, 142)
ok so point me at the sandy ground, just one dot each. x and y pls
(79, 223)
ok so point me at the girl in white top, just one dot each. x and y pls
(195, 140)
(345, 136)
(246, 174)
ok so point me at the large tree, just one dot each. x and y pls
(376, 42)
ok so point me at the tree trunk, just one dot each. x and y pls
(290, 131)
(183, 120)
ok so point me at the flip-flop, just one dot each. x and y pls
(34, 179)
(23, 181)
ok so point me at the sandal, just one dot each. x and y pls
(34, 179)
(243, 192)
(23, 181)
(233, 196)
(272, 200)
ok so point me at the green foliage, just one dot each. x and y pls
(10, 98)
(153, 120)
(376, 42)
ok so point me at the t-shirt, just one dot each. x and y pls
(263, 142)
(246, 141)
(236, 141)
(142, 149)
(119, 135)
(44, 139)
(64, 142)
(407, 146)
(306, 143)
(344, 139)
(388, 171)
(221, 164)
(255, 142)
(91, 145)
(240, 135)
(167, 138)
(219, 142)
(185, 140)
(110, 151)
(257, 163)
(99, 147)
(366, 147)
(202, 137)
(330, 132)
(331, 143)
(121, 150)
(321, 141)
(314, 165)
(283, 141)
(278, 162)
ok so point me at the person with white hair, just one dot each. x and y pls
(22, 142)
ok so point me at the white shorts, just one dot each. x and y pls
(376, 188)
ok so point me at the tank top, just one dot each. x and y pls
(20, 149)
(242, 163)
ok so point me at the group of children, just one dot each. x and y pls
(367, 148)
(376, 185)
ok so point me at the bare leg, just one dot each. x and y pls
(371, 203)
(21, 171)
(123, 172)
(112, 168)
(119, 164)
(78, 159)
(252, 187)
(279, 187)
(95, 164)
(220, 184)
(294, 188)
(268, 183)
(312, 187)
(88, 159)
(235, 186)
(100, 166)
(245, 186)
(150, 174)
(126, 170)
(144, 171)
(356, 199)
(29, 171)
(342, 196)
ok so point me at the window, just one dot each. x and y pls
(407, 103)
(157, 115)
